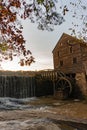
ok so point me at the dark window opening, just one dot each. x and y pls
(74, 60)
(61, 63)
(58, 54)
(61, 44)
(71, 50)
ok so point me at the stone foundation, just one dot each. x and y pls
(82, 83)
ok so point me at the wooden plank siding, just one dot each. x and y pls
(70, 57)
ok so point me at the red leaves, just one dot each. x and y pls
(20, 39)
(12, 18)
(12, 31)
(27, 61)
(15, 3)
(21, 62)
(4, 11)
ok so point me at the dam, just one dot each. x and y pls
(22, 85)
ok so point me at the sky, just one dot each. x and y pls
(41, 43)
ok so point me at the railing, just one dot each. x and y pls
(52, 74)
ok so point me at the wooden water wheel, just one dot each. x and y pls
(64, 85)
(60, 74)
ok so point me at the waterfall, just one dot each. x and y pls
(15, 86)
(24, 86)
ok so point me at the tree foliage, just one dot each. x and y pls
(79, 19)
(44, 12)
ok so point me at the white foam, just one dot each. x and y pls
(13, 103)
(28, 125)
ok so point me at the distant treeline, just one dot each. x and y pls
(22, 73)
(17, 73)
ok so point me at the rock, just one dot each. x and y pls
(76, 100)
(57, 104)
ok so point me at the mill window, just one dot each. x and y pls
(71, 50)
(61, 44)
(61, 63)
(58, 54)
(74, 60)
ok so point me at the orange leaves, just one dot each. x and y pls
(4, 11)
(27, 61)
(11, 29)
(15, 3)
(12, 18)
(20, 40)
(3, 31)
(21, 62)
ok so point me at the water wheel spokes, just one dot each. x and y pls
(61, 74)
(64, 84)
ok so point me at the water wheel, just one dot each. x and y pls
(64, 85)
(60, 74)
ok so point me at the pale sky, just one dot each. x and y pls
(41, 44)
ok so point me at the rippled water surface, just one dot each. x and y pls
(12, 104)
(39, 124)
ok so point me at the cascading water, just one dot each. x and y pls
(19, 87)
(24, 86)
